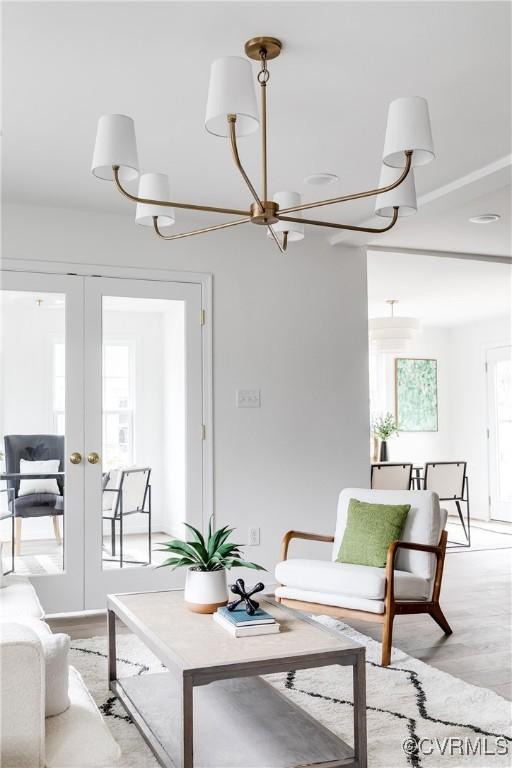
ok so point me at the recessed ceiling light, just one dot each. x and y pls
(321, 179)
(485, 218)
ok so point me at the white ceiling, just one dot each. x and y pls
(67, 63)
(439, 291)
(451, 230)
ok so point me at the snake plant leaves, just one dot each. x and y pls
(213, 554)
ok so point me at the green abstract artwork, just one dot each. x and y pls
(416, 394)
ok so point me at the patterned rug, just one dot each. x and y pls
(417, 715)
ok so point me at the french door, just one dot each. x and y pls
(499, 394)
(102, 386)
(143, 411)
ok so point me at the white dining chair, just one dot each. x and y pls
(449, 480)
(391, 477)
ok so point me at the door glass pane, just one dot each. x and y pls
(503, 399)
(32, 421)
(143, 427)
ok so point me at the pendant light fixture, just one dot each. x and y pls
(392, 334)
(232, 112)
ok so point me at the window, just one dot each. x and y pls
(59, 387)
(118, 366)
(118, 399)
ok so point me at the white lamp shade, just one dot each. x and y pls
(156, 187)
(231, 92)
(115, 145)
(408, 128)
(403, 196)
(295, 230)
(393, 334)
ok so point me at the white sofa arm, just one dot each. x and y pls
(22, 698)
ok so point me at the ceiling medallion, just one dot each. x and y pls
(231, 112)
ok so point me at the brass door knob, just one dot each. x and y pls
(75, 457)
(93, 458)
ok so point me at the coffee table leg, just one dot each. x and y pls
(187, 748)
(359, 676)
(112, 667)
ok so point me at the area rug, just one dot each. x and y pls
(417, 715)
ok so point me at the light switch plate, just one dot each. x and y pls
(248, 398)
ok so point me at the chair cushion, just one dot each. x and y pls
(79, 737)
(18, 599)
(110, 485)
(326, 598)
(348, 579)
(38, 484)
(55, 652)
(370, 530)
(424, 524)
(36, 504)
(56, 649)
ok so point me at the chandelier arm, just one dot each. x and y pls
(358, 195)
(351, 227)
(169, 203)
(181, 235)
(272, 232)
(236, 158)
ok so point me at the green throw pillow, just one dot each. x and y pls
(370, 529)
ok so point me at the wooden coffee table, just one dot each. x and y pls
(209, 707)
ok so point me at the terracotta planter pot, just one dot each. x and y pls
(205, 591)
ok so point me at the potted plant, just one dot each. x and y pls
(207, 562)
(384, 427)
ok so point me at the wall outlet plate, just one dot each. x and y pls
(253, 539)
(248, 398)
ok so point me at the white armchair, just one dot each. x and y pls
(410, 582)
(76, 738)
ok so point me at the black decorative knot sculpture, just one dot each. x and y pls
(238, 588)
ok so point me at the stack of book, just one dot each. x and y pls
(240, 624)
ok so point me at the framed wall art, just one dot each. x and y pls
(416, 394)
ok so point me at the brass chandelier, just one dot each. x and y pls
(232, 112)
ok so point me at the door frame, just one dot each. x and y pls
(205, 281)
(491, 425)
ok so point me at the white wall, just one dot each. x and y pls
(421, 446)
(293, 325)
(468, 345)
(462, 401)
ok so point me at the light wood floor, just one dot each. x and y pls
(476, 599)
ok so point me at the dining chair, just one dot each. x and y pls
(126, 492)
(449, 480)
(391, 477)
(46, 499)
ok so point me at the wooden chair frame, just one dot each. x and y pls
(392, 607)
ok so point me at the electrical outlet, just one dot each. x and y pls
(248, 398)
(254, 537)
